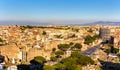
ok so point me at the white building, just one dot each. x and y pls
(38, 37)
(12, 68)
(20, 55)
(1, 67)
(37, 46)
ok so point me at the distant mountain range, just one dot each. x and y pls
(104, 23)
(71, 24)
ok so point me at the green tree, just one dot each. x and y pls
(39, 59)
(78, 46)
(60, 66)
(89, 39)
(1, 40)
(81, 59)
(84, 60)
(115, 50)
(53, 49)
(78, 67)
(74, 62)
(72, 36)
(53, 58)
(75, 29)
(63, 47)
(44, 33)
(70, 63)
(59, 53)
(107, 51)
(30, 27)
(58, 36)
(76, 54)
(71, 43)
(110, 45)
(48, 67)
(112, 50)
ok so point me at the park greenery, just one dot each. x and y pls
(72, 36)
(27, 27)
(53, 58)
(63, 47)
(74, 62)
(59, 53)
(75, 29)
(38, 60)
(90, 39)
(44, 33)
(1, 40)
(53, 50)
(58, 36)
(77, 46)
(112, 50)
(48, 67)
(71, 43)
(73, 46)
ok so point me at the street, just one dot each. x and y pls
(90, 51)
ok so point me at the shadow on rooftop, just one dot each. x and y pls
(109, 65)
(32, 66)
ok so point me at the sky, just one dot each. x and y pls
(54, 10)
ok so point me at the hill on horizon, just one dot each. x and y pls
(47, 23)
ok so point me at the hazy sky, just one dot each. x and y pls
(59, 9)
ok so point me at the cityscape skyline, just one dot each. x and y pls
(59, 34)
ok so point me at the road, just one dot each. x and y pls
(90, 51)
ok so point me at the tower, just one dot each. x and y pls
(119, 46)
(24, 55)
(105, 33)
